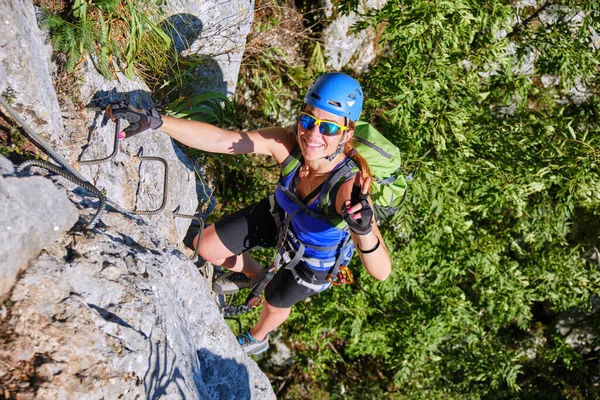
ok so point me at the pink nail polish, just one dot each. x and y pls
(121, 135)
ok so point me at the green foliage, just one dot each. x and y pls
(15, 146)
(281, 60)
(119, 33)
(483, 100)
(211, 107)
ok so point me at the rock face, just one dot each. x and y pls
(24, 70)
(345, 49)
(129, 182)
(119, 311)
(216, 31)
(30, 222)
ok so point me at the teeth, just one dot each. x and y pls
(313, 144)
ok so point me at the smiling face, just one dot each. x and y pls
(315, 145)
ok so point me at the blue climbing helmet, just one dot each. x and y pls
(337, 93)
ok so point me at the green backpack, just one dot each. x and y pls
(388, 188)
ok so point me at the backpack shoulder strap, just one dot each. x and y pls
(327, 199)
(292, 162)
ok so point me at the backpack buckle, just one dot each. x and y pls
(343, 277)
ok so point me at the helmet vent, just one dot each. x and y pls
(335, 103)
(358, 91)
(352, 96)
(316, 96)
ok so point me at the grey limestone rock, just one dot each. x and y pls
(216, 31)
(24, 70)
(33, 215)
(117, 311)
(129, 182)
(346, 49)
(121, 312)
(6, 167)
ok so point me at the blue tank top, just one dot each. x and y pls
(314, 231)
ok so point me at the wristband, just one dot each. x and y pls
(371, 250)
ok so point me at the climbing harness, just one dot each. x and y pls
(289, 257)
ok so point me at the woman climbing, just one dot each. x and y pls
(315, 243)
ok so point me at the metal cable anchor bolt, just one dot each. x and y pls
(176, 214)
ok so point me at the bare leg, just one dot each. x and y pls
(215, 252)
(270, 319)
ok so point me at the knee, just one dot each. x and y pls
(207, 246)
(271, 309)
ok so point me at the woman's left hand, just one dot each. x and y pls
(357, 211)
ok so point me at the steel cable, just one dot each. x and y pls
(67, 175)
(41, 142)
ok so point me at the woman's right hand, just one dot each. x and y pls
(139, 119)
(357, 212)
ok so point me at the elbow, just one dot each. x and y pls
(382, 276)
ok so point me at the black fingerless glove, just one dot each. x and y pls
(139, 119)
(362, 225)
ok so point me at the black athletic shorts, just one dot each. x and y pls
(255, 227)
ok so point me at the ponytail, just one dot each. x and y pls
(350, 151)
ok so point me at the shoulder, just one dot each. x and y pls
(343, 193)
(275, 141)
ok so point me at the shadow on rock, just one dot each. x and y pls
(162, 373)
(224, 378)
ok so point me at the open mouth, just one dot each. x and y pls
(313, 145)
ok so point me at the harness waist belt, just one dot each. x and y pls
(317, 262)
(312, 286)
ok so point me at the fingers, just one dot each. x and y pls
(363, 184)
(366, 185)
(131, 130)
(353, 209)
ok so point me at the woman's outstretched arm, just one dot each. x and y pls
(275, 141)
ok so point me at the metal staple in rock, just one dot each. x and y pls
(176, 214)
(165, 185)
(115, 148)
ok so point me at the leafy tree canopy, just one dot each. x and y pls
(495, 107)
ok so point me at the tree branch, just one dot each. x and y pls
(533, 16)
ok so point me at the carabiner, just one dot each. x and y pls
(343, 277)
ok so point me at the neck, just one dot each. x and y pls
(322, 166)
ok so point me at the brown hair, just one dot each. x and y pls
(351, 152)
